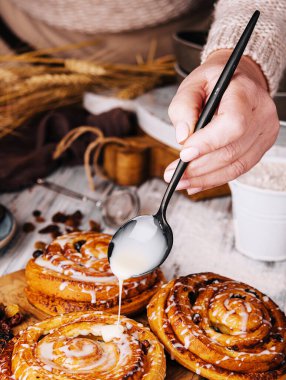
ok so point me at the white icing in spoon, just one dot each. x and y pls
(138, 248)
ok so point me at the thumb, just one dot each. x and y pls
(186, 106)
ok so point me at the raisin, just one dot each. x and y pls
(192, 297)
(94, 226)
(28, 227)
(79, 244)
(37, 213)
(145, 345)
(212, 281)
(216, 329)
(59, 217)
(49, 229)
(237, 296)
(197, 318)
(235, 348)
(277, 337)
(40, 219)
(252, 292)
(77, 215)
(37, 253)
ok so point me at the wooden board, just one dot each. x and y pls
(12, 291)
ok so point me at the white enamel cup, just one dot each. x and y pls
(259, 217)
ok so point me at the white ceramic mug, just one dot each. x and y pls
(259, 217)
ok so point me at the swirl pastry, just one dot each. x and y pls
(73, 274)
(220, 328)
(79, 346)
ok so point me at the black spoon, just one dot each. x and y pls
(157, 227)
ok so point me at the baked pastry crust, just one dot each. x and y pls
(71, 347)
(220, 328)
(73, 274)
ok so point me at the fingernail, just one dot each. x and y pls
(172, 166)
(189, 154)
(168, 175)
(194, 190)
(182, 131)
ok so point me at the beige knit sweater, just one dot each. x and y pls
(267, 46)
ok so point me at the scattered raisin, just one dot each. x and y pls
(37, 213)
(37, 253)
(55, 234)
(235, 348)
(77, 215)
(94, 226)
(49, 229)
(40, 219)
(28, 227)
(79, 244)
(216, 329)
(197, 318)
(71, 222)
(59, 217)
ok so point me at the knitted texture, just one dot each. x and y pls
(267, 46)
(99, 16)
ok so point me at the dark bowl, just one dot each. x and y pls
(188, 47)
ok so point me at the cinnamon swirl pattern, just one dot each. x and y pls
(73, 274)
(220, 328)
(74, 346)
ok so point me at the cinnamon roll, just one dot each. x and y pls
(79, 346)
(220, 328)
(73, 274)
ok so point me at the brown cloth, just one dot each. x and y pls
(28, 156)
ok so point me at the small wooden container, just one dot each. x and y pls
(144, 158)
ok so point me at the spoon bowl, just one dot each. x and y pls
(149, 237)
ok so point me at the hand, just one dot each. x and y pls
(244, 127)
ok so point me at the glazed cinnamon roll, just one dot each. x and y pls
(73, 274)
(80, 346)
(220, 328)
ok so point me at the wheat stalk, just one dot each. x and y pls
(31, 82)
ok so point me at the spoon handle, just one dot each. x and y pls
(212, 104)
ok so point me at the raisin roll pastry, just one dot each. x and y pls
(73, 274)
(220, 328)
(79, 346)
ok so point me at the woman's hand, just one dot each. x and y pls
(244, 127)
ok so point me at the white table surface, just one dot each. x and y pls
(203, 232)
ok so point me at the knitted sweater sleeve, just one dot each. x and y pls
(267, 46)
